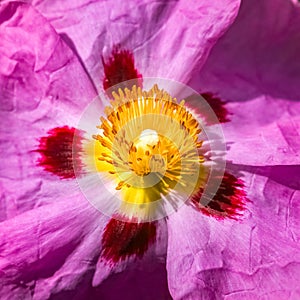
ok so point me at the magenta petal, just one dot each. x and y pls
(185, 40)
(52, 251)
(157, 249)
(136, 277)
(121, 240)
(57, 242)
(38, 66)
(170, 34)
(147, 280)
(93, 28)
(44, 86)
(254, 258)
(263, 131)
(258, 55)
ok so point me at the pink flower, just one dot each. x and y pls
(56, 57)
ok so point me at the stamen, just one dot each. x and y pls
(141, 138)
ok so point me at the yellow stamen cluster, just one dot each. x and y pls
(150, 142)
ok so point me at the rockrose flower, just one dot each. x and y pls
(113, 179)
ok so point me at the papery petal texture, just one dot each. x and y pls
(51, 68)
(143, 278)
(258, 55)
(268, 132)
(141, 281)
(256, 63)
(43, 86)
(178, 33)
(185, 40)
(53, 250)
(46, 87)
(256, 258)
(93, 28)
(57, 242)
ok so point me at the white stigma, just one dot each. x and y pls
(147, 137)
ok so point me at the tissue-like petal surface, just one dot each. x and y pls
(255, 258)
(43, 86)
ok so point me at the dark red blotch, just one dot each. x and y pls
(120, 67)
(228, 202)
(124, 239)
(218, 106)
(56, 151)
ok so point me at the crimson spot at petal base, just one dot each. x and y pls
(218, 106)
(120, 67)
(124, 239)
(228, 202)
(56, 151)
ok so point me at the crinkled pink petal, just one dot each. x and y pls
(254, 258)
(63, 271)
(185, 40)
(257, 56)
(52, 251)
(150, 271)
(93, 28)
(263, 131)
(256, 62)
(169, 39)
(147, 280)
(43, 86)
(49, 249)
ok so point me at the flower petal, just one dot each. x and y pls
(258, 55)
(44, 86)
(57, 241)
(148, 270)
(255, 258)
(93, 28)
(172, 34)
(124, 239)
(147, 280)
(264, 131)
(52, 251)
(61, 152)
(120, 67)
(185, 40)
(228, 202)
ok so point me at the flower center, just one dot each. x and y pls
(151, 144)
(145, 154)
